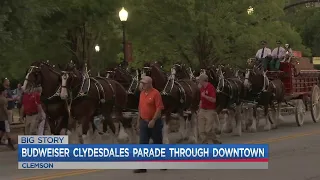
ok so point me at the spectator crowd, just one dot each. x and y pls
(20, 106)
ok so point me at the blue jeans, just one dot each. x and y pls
(155, 133)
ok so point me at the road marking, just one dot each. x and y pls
(80, 172)
(58, 174)
(70, 174)
(282, 138)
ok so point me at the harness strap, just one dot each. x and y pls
(100, 89)
(111, 87)
(182, 91)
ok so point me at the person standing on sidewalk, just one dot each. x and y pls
(207, 116)
(11, 100)
(150, 107)
(4, 124)
(31, 106)
(18, 93)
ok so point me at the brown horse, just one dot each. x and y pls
(264, 93)
(178, 95)
(48, 77)
(130, 81)
(91, 96)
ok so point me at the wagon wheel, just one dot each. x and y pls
(315, 103)
(299, 111)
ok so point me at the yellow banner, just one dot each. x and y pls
(316, 60)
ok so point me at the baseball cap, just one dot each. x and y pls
(203, 77)
(146, 80)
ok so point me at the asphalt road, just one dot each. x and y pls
(294, 155)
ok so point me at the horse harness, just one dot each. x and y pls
(181, 89)
(232, 85)
(88, 81)
(57, 92)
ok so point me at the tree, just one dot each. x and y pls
(306, 21)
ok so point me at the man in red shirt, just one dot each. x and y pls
(207, 115)
(31, 105)
(150, 107)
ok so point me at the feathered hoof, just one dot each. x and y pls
(165, 141)
(218, 131)
(69, 132)
(216, 142)
(227, 131)
(192, 140)
(267, 127)
(274, 126)
(237, 133)
(252, 130)
(85, 139)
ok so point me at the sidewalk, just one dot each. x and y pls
(16, 129)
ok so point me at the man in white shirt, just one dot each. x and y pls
(289, 53)
(263, 55)
(278, 54)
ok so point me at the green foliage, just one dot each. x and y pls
(306, 21)
(197, 32)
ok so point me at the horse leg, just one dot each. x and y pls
(114, 127)
(237, 117)
(244, 119)
(193, 129)
(216, 124)
(273, 116)
(165, 131)
(267, 126)
(228, 123)
(223, 117)
(125, 127)
(183, 125)
(52, 126)
(63, 125)
(253, 119)
(280, 118)
(128, 126)
(73, 133)
(86, 129)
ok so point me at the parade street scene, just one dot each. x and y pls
(162, 72)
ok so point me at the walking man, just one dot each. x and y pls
(150, 107)
(31, 106)
(4, 124)
(207, 116)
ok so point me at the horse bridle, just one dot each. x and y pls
(38, 68)
(71, 76)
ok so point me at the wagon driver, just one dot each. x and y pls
(263, 55)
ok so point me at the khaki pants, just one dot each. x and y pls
(10, 116)
(206, 124)
(31, 125)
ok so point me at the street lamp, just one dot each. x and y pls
(250, 10)
(123, 15)
(97, 48)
